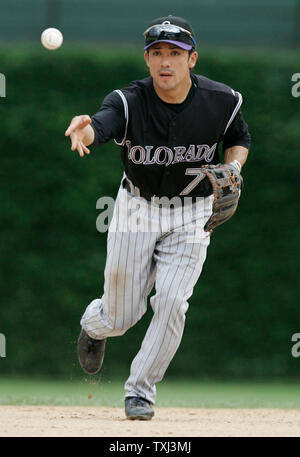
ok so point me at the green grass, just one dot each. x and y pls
(193, 394)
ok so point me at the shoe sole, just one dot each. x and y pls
(139, 417)
(90, 372)
(84, 358)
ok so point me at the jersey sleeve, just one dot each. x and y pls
(109, 122)
(237, 133)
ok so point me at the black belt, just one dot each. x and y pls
(151, 197)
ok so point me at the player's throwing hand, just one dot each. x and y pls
(80, 136)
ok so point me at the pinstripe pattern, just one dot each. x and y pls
(172, 256)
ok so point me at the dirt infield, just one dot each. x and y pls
(85, 421)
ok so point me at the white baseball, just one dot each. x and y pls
(51, 38)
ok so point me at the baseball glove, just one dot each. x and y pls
(227, 184)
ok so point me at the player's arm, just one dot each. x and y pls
(108, 123)
(239, 153)
(236, 142)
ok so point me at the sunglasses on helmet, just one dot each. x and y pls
(168, 32)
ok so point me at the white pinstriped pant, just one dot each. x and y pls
(163, 246)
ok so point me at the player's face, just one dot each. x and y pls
(170, 66)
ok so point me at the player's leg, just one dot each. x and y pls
(179, 260)
(128, 270)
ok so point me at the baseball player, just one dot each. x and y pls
(170, 127)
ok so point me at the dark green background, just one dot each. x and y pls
(245, 307)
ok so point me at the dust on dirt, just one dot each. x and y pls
(96, 421)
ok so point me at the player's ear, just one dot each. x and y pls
(193, 57)
(146, 56)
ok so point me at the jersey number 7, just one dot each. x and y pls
(199, 176)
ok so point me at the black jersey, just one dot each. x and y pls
(161, 142)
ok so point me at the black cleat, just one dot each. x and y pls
(138, 408)
(90, 353)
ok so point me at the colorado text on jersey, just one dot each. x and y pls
(163, 155)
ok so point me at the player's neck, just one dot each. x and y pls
(176, 95)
